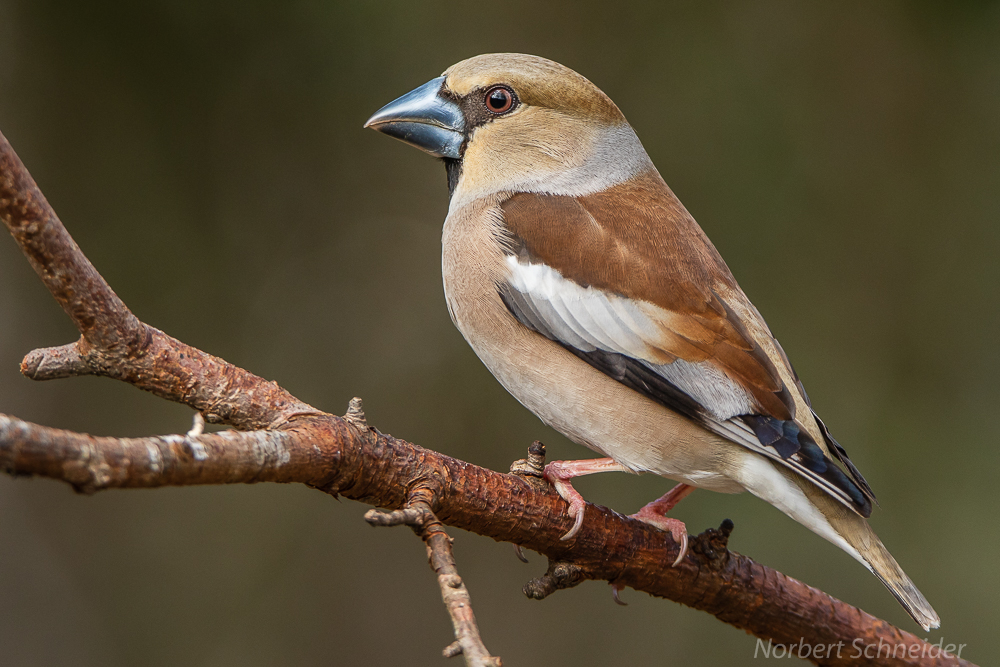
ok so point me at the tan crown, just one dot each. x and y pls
(537, 82)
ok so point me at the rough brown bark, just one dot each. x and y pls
(286, 440)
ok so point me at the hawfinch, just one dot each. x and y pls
(594, 297)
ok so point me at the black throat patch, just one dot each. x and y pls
(454, 170)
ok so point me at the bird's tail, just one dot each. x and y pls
(814, 508)
(873, 554)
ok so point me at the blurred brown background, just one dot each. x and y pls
(210, 160)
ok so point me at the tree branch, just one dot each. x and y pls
(286, 440)
(114, 343)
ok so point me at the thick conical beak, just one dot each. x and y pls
(425, 119)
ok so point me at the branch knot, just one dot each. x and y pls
(560, 575)
(356, 414)
(532, 469)
(713, 544)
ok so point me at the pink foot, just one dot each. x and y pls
(654, 515)
(559, 474)
(675, 527)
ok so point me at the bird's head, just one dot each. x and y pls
(508, 122)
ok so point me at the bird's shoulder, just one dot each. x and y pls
(633, 238)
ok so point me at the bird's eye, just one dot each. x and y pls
(500, 99)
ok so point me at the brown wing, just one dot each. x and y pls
(637, 241)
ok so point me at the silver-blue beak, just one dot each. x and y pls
(425, 119)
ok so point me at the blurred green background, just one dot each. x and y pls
(209, 158)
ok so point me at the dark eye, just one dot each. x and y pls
(500, 99)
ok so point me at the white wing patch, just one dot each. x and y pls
(590, 319)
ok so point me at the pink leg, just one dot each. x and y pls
(559, 474)
(655, 514)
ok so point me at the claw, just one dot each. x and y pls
(520, 554)
(683, 550)
(576, 512)
(615, 590)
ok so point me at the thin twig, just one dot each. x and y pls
(91, 464)
(418, 515)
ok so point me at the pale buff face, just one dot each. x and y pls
(565, 136)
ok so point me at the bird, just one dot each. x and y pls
(592, 295)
